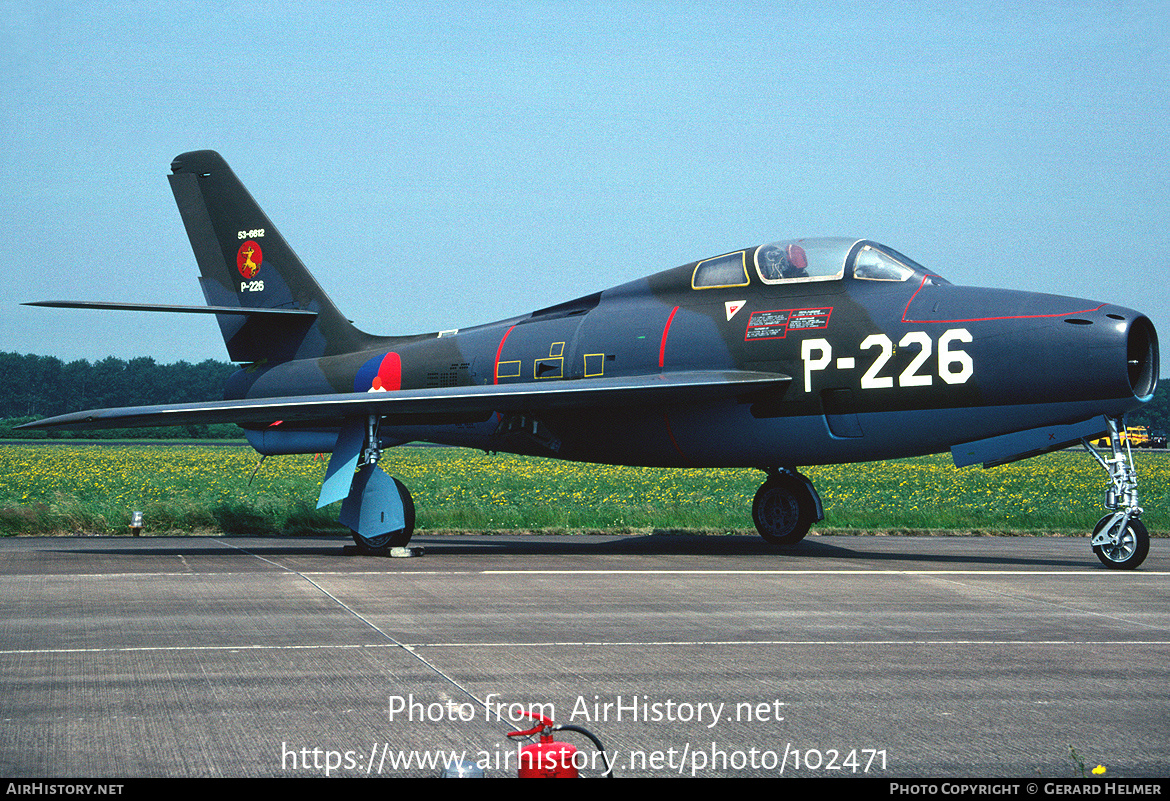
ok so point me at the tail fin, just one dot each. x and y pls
(245, 263)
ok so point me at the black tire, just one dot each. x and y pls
(783, 510)
(1130, 551)
(391, 539)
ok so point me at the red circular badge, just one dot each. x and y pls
(248, 259)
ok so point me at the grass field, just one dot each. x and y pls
(57, 488)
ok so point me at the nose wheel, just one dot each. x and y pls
(1124, 543)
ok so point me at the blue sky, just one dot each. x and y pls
(443, 165)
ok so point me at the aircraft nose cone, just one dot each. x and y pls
(1131, 332)
(1048, 347)
(1117, 348)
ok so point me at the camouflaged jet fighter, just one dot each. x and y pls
(800, 352)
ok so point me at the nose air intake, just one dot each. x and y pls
(1142, 358)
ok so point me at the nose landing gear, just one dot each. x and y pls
(1120, 539)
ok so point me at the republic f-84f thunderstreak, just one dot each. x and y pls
(799, 352)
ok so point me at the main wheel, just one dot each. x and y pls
(391, 539)
(783, 511)
(1131, 549)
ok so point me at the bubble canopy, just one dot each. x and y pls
(831, 258)
(806, 260)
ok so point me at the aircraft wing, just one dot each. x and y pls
(444, 404)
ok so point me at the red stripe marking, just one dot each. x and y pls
(662, 347)
(988, 319)
(906, 310)
(500, 350)
(673, 441)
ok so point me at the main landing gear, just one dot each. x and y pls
(1120, 539)
(785, 507)
(378, 509)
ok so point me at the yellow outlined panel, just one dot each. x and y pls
(594, 364)
(552, 367)
(721, 272)
(508, 369)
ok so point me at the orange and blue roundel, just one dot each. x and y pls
(379, 374)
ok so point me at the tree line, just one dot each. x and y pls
(32, 387)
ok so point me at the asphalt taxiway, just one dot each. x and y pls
(686, 655)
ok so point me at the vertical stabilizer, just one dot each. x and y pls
(245, 262)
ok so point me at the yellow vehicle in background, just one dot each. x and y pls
(1137, 436)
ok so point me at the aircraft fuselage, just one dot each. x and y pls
(879, 368)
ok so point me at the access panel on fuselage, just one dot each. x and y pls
(539, 350)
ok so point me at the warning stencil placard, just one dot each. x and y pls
(776, 324)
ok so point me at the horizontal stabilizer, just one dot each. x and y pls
(443, 404)
(162, 307)
(1025, 444)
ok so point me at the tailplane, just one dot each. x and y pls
(245, 264)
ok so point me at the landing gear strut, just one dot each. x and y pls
(785, 507)
(1120, 539)
(378, 509)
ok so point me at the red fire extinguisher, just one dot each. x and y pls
(549, 759)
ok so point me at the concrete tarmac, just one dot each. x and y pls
(889, 657)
